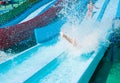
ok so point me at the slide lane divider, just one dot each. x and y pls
(99, 18)
(47, 69)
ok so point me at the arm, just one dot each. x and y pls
(68, 39)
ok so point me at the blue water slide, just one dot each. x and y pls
(47, 46)
(37, 63)
(102, 49)
(29, 11)
(51, 67)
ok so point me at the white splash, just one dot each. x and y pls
(70, 11)
(2, 53)
(4, 56)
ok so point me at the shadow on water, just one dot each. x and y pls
(86, 56)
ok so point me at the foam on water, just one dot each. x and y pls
(2, 53)
(87, 35)
(4, 56)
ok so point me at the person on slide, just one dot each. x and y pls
(88, 51)
(90, 7)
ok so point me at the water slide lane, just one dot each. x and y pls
(76, 67)
(105, 27)
(38, 11)
(31, 13)
(36, 58)
(103, 10)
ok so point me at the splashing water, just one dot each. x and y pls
(88, 37)
(2, 53)
(86, 34)
(4, 56)
(70, 11)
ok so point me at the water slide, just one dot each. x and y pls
(31, 13)
(57, 60)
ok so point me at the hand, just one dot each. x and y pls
(74, 43)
